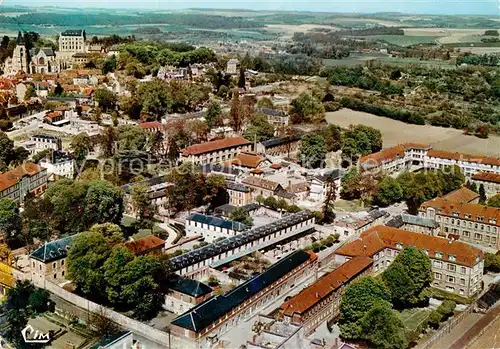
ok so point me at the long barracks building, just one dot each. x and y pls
(291, 227)
(205, 322)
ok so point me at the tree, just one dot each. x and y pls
(106, 98)
(333, 137)
(10, 219)
(103, 203)
(58, 90)
(30, 93)
(472, 186)
(216, 191)
(408, 277)
(389, 191)
(312, 151)
(81, 145)
(494, 201)
(265, 102)
(357, 300)
(491, 263)
(114, 273)
(154, 98)
(111, 232)
(361, 140)
(259, 129)
(260, 199)
(328, 204)
(383, 328)
(6, 150)
(213, 115)
(482, 194)
(239, 112)
(307, 109)
(109, 65)
(107, 141)
(189, 189)
(141, 286)
(131, 137)
(141, 202)
(241, 215)
(271, 202)
(241, 79)
(86, 257)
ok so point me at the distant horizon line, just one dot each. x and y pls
(151, 9)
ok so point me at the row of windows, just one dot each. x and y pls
(463, 223)
(450, 279)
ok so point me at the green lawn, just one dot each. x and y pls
(412, 318)
(127, 222)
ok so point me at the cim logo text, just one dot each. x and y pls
(30, 335)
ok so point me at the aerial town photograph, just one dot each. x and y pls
(287, 174)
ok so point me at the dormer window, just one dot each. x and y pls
(456, 214)
(426, 252)
(439, 255)
(452, 258)
(468, 216)
(399, 245)
(480, 218)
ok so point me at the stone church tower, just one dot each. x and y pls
(20, 58)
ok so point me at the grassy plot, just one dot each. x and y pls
(128, 222)
(414, 318)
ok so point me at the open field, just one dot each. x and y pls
(395, 132)
(412, 318)
(404, 40)
(356, 59)
(480, 50)
(447, 35)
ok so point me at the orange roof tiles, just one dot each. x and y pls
(385, 155)
(145, 244)
(151, 125)
(247, 159)
(461, 210)
(487, 160)
(487, 177)
(315, 293)
(216, 145)
(12, 177)
(54, 114)
(380, 237)
(463, 195)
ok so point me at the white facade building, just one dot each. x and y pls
(212, 228)
(59, 164)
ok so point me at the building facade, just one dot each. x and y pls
(262, 187)
(212, 228)
(320, 301)
(19, 62)
(205, 322)
(43, 61)
(28, 178)
(291, 228)
(184, 294)
(45, 141)
(405, 156)
(72, 41)
(490, 182)
(59, 165)
(48, 262)
(467, 221)
(239, 194)
(457, 266)
(217, 151)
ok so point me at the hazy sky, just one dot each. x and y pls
(486, 7)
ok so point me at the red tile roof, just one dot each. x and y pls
(462, 195)
(460, 210)
(487, 177)
(385, 155)
(479, 159)
(12, 177)
(54, 115)
(151, 125)
(247, 159)
(315, 293)
(145, 244)
(216, 145)
(380, 237)
(416, 146)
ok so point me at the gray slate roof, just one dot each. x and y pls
(402, 219)
(47, 50)
(241, 239)
(52, 251)
(191, 287)
(206, 313)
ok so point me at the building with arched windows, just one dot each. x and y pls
(43, 61)
(20, 58)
